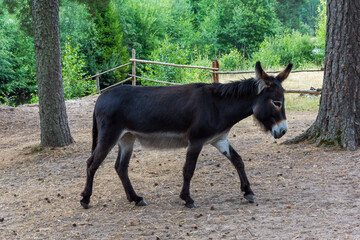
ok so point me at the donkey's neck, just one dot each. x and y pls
(247, 88)
(235, 100)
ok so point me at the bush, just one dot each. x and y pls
(169, 53)
(233, 61)
(198, 75)
(290, 47)
(17, 62)
(73, 70)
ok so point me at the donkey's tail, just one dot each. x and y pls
(94, 133)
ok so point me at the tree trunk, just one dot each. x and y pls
(338, 120)
(53, 118)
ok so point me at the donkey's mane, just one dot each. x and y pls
(248, 87)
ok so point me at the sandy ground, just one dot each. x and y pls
(302, 192)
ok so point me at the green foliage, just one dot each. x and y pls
(233, 61)
(169, 53)
(177, 54)
(321, 32)
(17, 64)
(111, 52)
(289, 13)
(238, 32)
(77, 23)
(290, 47)
(309, 15)
(72, 71)
(144, 24)
(250, 23)
(73, 67)
(198, 75)
(267, 55)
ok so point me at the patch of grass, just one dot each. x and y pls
(36, 149)
(295, 102)
(304, 80)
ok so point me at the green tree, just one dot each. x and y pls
(17, 65)
(144, 24)
(289, 13)
(229, 24)
(111, 51)
(77, 24)
(248, 25)
(73, 69)
(309, 13)
(321, 31)
(179, 24)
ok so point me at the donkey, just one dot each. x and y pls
(188, 116)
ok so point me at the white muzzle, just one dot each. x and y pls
(279, 129)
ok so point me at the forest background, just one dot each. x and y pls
(99, 35)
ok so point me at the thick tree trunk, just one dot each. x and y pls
(53, 119)
(338, 120)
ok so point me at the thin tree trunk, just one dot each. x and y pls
(53, 118)
(338, 120)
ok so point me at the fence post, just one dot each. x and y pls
(134, 68)
(215, 76)
(97, 84)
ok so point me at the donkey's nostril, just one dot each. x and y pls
(283, 132)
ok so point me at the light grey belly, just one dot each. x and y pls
(159, 140)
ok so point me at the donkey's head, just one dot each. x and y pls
(269, 107)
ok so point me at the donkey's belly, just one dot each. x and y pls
(160, 140)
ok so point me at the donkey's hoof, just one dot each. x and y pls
(191, 205)
(141, 203)
(84, 204)
(250, 198)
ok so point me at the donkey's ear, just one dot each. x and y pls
(284, 74)
(261, 74)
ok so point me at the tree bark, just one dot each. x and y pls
(54, 126)
(338, 120)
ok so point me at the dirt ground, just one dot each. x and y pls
(302, 192)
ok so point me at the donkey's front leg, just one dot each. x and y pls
(192, 155)
(225, 148)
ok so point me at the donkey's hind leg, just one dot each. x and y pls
(126, 144)
(105, 144)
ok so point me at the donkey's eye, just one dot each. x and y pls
(277, 104)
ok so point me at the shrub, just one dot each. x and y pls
(169, 53)
(290, 47)
(72, 70)
(233, 61)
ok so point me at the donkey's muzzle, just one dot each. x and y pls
(279, 129)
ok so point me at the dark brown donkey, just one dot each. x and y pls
(186, 116)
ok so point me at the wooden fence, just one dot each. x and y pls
(214, 70)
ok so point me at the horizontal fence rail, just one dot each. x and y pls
(157, 81)
(214, 70)
(313, 92)
(276, 71)
(116, 84)
(172, 64)
(110, 70)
